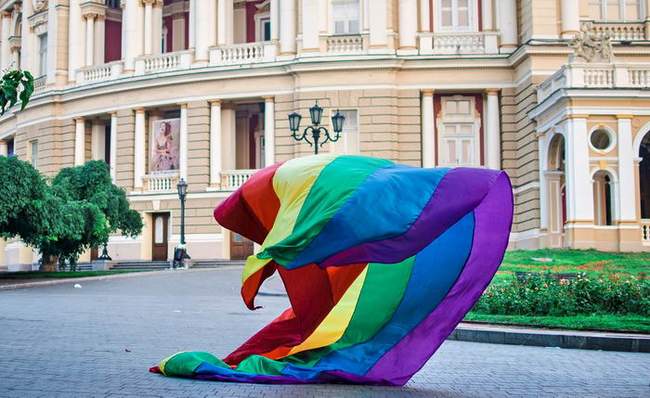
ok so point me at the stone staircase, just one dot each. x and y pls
(161, 265)
(217, 263)
(140, 265)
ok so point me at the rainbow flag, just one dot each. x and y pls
(380, 262)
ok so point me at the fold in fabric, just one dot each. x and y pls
(380, 262)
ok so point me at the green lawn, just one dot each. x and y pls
(8, 276)
(591, 262)
(588, 261)
(618, 323)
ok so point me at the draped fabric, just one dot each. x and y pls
(380, 262)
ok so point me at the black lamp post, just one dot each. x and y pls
(180, 253)
(316, 113)
(104, 256)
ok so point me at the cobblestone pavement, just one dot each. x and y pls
(101, 339)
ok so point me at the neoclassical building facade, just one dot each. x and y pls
(201, 90)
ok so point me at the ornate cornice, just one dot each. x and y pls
(93, 8)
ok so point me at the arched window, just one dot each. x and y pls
(644, 175)
(603, 205)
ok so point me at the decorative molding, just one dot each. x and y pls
(39, 5)
(93, 8)
(38, 22)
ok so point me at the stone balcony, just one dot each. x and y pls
(103, 72)
(458, 43)
(624, 31)
(162, 182)
(595, 75)
(245, 53)
(164, 62)
(233, 179)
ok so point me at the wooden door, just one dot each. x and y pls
(240, 247)
(94, 253)
(159, 238)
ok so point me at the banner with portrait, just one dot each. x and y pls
(164, 145)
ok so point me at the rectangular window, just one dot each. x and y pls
(456, 15)
(34, 153)
(10, 147)
(348, 142)
(266, 29)
(42, 54)
(345, 17)
(614, 10)
(459, 127)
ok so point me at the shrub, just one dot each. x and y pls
(542, 294)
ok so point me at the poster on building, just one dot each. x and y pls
(164, 145)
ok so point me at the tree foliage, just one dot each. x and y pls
(15, 85)
(78, 210)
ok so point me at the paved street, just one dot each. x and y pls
(101, 339)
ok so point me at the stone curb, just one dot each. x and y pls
(575, 339)
(80, 280)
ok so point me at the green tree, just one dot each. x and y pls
(80, 209)
(95, 208)
(15, 85)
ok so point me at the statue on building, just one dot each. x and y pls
(39, 5)
(591, 46)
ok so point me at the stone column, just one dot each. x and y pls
(27, 38)
(310, 26)
(287, 27)
(206, 29)
(100, 33)
(626, 155)
(79, 141)
(4, 148)
(75, 40)
(139, 150)
(508, 25)
(228, 141)
(487, 15)
(408, 23)
(90, 40)
(269, 131)
(570, 18)
(98, 140)
(579, 186)
(191, 40)
(148, 27)
(275, 20)
(493, 131)
(378, 19)
(428, 130)
(425, 16)
(215, 143)
(5, 48)
(157, 27)
(132, 33)
(183, 143)
(225, 16)
(112, 155)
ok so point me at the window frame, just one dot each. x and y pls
(472, 118)
(622, 10)
(472, 15)
(42, 54)
(333, 20)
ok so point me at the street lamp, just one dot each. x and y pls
(105, 255)
(316, 114)
(180, 253)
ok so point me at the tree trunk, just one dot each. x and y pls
(48, 263)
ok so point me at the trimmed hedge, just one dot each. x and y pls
(542, 294)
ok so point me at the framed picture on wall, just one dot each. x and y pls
(164, 145)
